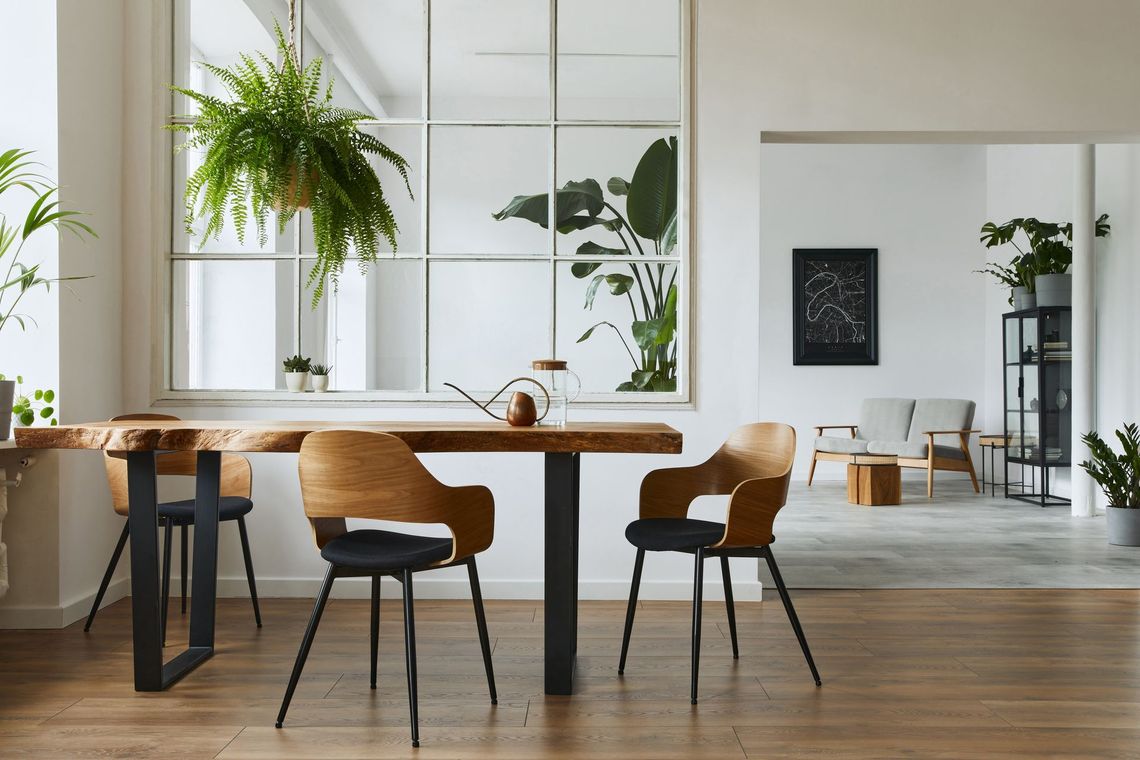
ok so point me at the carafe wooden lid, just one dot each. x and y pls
(548, 364)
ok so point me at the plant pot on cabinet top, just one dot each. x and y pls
(1023, 299)
(1123, 526)
(1054, 289)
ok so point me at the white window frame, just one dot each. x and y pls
(162, 370)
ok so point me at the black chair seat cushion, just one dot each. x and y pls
(380, 550)
(670, 534)
(182, 512)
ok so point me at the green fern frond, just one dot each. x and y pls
(277, 140)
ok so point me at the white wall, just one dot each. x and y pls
(919, 205)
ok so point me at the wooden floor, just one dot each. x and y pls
(906, 673)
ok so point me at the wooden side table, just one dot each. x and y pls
(874, 480)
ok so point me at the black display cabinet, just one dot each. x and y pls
(1038, 358)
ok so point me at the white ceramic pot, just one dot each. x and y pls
(296, 381)
(320, 383)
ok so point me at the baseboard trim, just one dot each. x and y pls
(28, 618)
(456, 588)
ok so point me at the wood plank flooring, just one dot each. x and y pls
(933, 673)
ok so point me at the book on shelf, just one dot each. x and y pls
(1047, 345)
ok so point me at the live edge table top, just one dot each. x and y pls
(279, 436)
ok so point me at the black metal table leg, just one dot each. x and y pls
(150, 672)
(142, 520)
(561, 577)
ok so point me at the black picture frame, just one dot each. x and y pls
(819, 337)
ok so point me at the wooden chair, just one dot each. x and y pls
(375, 476)
(754, 466)
(234, 505)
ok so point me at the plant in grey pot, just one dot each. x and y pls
(18, 173)
(1042, 271)
(1119, 477)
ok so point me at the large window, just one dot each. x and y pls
(488, 100)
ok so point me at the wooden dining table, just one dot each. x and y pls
(140, 441)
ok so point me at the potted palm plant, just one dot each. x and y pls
(647, 229)
(1119, 477)
(279, 145)
(18, 173)
(1040, 275)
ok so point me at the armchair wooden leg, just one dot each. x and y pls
(629, 610)
(698, 588)
(970, 465)
(374, 635)
(307, 643)
(930, 474)
(728, 602)
(811, 469)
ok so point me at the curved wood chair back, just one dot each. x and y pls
(375, 476)
(237, 475)
(754, 465)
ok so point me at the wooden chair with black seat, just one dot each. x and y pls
(375, 476)
(234, 504)
(754, 466)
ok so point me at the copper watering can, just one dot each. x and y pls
(521, 409)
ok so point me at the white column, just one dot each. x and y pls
(1084, 322)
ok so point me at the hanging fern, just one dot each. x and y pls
(277, 144)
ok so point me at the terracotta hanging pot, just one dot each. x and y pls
(286, 201)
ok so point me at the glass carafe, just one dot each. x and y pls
(562, 385)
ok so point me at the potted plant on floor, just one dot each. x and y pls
(296, 373)
(279, 145)
(1040, 275)
(648, 229)
(1119, 477)
(18, 173)
(319, 374)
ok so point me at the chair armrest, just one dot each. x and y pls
(752, 510)
(668, 492)
(820, 428)
(472, 527)
(951, 432)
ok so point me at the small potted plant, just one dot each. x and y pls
(320, 377)
(1119, 477)
(296, 373)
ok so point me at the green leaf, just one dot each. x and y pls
(572, 199)
(653, 191)
(27, 417)
(641, 378)
(627, 387)
(39, 395)
(49, 396)
(584, 269)
(46, 412)
(590, 248)
(618, 186)
(660, 331)
(669, 236)
(619, 284)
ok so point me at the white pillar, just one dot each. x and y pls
(1084, 322)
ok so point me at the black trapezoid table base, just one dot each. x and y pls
(151, 673)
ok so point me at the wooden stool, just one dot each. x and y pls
(874, 480)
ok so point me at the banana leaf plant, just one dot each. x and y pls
(647, 229)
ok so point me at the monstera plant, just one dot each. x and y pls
(278, 144)
(647, 229)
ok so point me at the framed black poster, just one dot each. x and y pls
(834, 296)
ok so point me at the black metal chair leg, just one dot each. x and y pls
(631, 608)
(731, 605)
(374, 635)
(481, 622)
(791, 611)
(698, 585)
(185, 563)
(249, 570)
(410, 652)
(107, 576)
(307, 642)
(167, 546)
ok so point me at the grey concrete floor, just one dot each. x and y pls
(956, 540)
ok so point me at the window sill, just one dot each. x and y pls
(410, 399)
